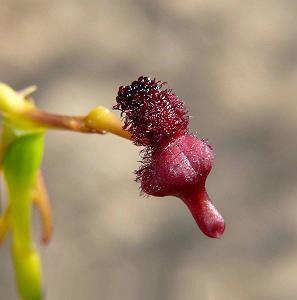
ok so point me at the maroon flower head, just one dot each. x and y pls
(174, 162)
(153, 116)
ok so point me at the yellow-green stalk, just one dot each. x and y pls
(21, 150)
(21, 160)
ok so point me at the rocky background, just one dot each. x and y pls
(235, 64)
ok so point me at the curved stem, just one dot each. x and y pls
(40, 199)
(83, 124)
(5, 222)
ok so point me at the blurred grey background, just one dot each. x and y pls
(235, 65)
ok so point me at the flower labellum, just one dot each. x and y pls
(174, 162)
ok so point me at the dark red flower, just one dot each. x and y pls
(174, 162)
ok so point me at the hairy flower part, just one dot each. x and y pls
(174, 162)
(153, 116)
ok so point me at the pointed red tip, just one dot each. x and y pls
(207, 217)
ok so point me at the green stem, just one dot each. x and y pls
(21, 164)
(21, 206)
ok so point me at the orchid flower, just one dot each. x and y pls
(174, 162)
